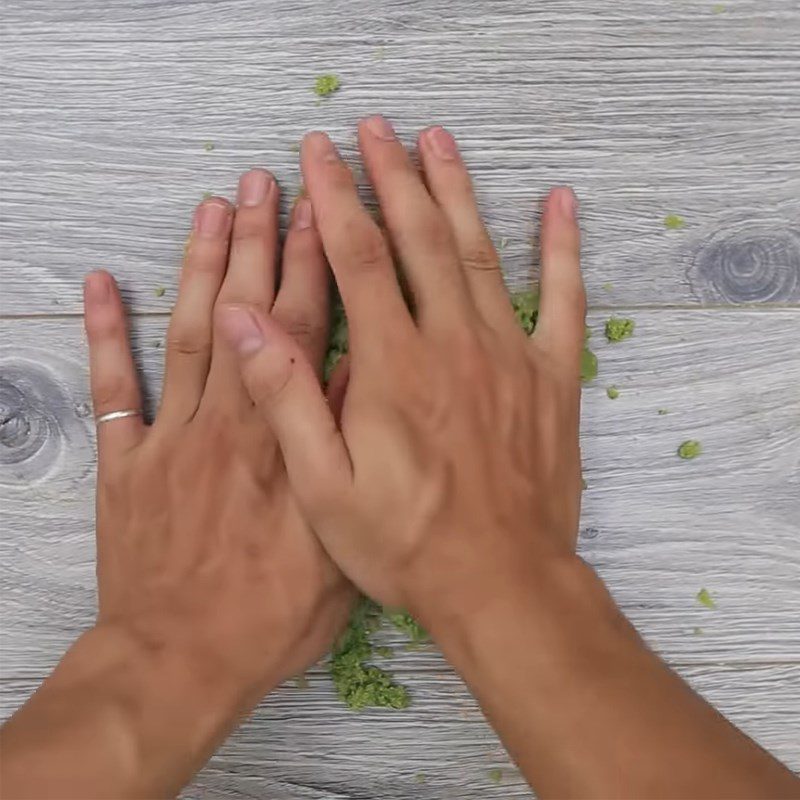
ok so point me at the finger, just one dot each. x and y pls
(188, 352)
(356, 251)
(114, 383)
(282, 384)
(302, 306)
(417, 226)
(250, 278)
(562, 307)
(451, 187)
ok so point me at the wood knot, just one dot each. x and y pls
(751, 262)
(31, 430)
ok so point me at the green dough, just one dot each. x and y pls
(619, 328)
(326, 85)
(690, 449)
(612, 392)
(704, 598)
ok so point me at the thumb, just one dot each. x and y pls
(285, 389)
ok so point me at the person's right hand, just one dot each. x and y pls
(455, 466)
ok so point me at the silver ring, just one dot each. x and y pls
(128, 412)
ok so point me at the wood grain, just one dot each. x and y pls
(647, 108)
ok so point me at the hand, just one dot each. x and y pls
(456, 467)
(208, 576)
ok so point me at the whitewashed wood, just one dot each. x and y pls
(647, 107)
(656, 527)
(304, 744)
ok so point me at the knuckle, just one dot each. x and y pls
(189, 343)
(247, 226)
(364, 244)
(480, 256)
(109, 391)
(301, 327)
(271, 381)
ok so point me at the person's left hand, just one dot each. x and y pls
(202, 552)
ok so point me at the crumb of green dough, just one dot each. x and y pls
(326, 85)
(588, 365)
(662, 412)
(619, 328)
(207, 195)
(420, 777)
(294, 148)
(301, 682)
(159, 291)
(208, 146)
(691, 448)
(673, 222)
(503, 243)
(697, 631)
(719, 8)
(405, 623)
(705, 599)
(612, 392)
(380, 53)
(607, 287)
(337, 339)
(358, 683)
(384, 652)
(584, 485)
(495, 775)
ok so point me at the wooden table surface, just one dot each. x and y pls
(647, 107)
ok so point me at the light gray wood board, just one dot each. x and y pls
(304, 744)
(646, 107)
(656, 527)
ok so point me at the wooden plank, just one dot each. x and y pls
(648, 108)
(305, 744)
(657, 528)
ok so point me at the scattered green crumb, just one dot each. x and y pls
(358, 683)
(526, 310)
(674, 222)
(337, 342)
(405, 623)
(294, 148)
(208, 146)
(207, 195)
(697, 631)
(607, 287)
(326, 85)
(619, 328)
(159, 291)
(380, 53)
(301, 682)
(612, 392)
(495, 775)
(420, 777)
(705, 599)
(719, 8)
(691, 448)
(584, 485)
(503, 243)
(662, 412)
(384, 652)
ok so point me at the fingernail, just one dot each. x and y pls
(321, 146)
(381, 128)
(98, 289)
(241, 330)
(303, 214)
(254, 187)
(566, 201)
(211, 218)
(442, 143)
